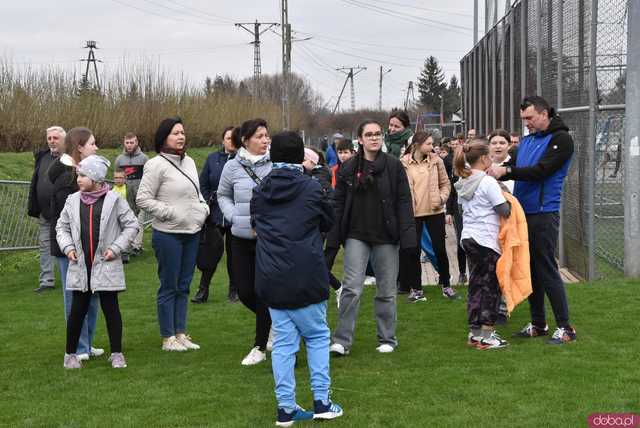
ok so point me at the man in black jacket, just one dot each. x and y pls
(39, 204)
(374, 212)
(539, 168)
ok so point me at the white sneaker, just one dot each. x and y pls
(172, 344)
(385, 348)
(96, 352)
(369, 280)
(493, 342)
(83, 357)
(337, 348)
(185, 341)
(338, 295)
(270, 340)
(254, 357)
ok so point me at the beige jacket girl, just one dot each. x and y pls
(429, 183)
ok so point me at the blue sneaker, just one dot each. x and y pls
(287, 419)
(326, 411)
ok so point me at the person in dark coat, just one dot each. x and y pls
(289, 211)
(209, 179)
(374, 212)
(39, 203)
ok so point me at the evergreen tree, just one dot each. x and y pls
(452, 98)
(431, 85)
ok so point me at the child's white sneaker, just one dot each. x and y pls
(71, 361)
(117, 360)
(369, 280)
(172, 344)
(385, 348)
(185, 341)
(338, 349)
(254, 357)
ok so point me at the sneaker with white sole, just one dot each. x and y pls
(385, 348)
(71, 361)
(450, 293)
(492, 342)
(328, 410)
(254, 357)
(473, 341)
(117, 360)
(338, 349)
(96, 352)
(338, 295)
(530, 330)
(562, 335)
(83, 357)
(416, 296)
(185, 340)
(369, 280)
(287, 419)
(171, 344)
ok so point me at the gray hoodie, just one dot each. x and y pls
(133, 166)
(466, 187)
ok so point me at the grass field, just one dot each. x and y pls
(432, 379)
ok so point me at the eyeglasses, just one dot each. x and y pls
(372, 135)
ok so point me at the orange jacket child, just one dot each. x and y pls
(513, 269)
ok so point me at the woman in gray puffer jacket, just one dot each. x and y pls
(239, 176)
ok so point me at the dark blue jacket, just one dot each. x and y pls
(540, 166)
(332, 155)
(209, 180)
(289, 210)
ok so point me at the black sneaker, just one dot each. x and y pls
(287, 419)
(326, 411)
(462, 279)
(233, 297)
(531, 330)
(562, 335)
(416, 296)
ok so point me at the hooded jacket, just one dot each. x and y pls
(235, 191)
(540, 166)
(289, 210)
(133, 166)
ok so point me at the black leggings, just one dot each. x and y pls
(410, 267)
(244, 273)
(111, 311)
(330, 254)
(207, 275)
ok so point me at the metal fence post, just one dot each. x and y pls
(591, 152)
(523, 49)
(487, 55)
(632, 145)
(503, 64)
(494, 77)
(512, 66)
(559, 89)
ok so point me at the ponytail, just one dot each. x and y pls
(468, 154)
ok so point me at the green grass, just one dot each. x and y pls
(432, 379)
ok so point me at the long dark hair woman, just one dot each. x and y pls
(170, 192)
(398, 134)
(239, 176)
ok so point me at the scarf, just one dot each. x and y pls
(253, 159)
(290, 166)
(395, 142)
(182, 152)
(89, 198)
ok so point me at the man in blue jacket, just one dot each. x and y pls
(539, 168)
(289, 210)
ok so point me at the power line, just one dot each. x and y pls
(173, 9)
(172, 18)
(444, 12)
(222, 18)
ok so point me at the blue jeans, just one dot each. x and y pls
(176, 255)
(288, 326)
(89, 324)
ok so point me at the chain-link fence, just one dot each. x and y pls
(17, 230)
(573, 53)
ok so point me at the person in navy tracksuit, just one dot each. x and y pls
(539, 168)
(289, 212)
(209, 179)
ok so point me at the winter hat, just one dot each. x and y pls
(163, 131)
(337, 136)
(95, 167)
(287, 147)
(311, 155)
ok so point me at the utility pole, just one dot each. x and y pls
(286, 63)
(631, 154)
(350, 72)
(380, 87)
(409, 91)
(256, 33)
(91, 59)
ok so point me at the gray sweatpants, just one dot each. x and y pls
(47, 278)
(384, 259)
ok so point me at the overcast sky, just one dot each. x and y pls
(198, 38)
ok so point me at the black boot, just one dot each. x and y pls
(201, 295)
(233, 295)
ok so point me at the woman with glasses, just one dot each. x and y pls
(375, 218)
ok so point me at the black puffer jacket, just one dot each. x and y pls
(397, 205)
(64, 184)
